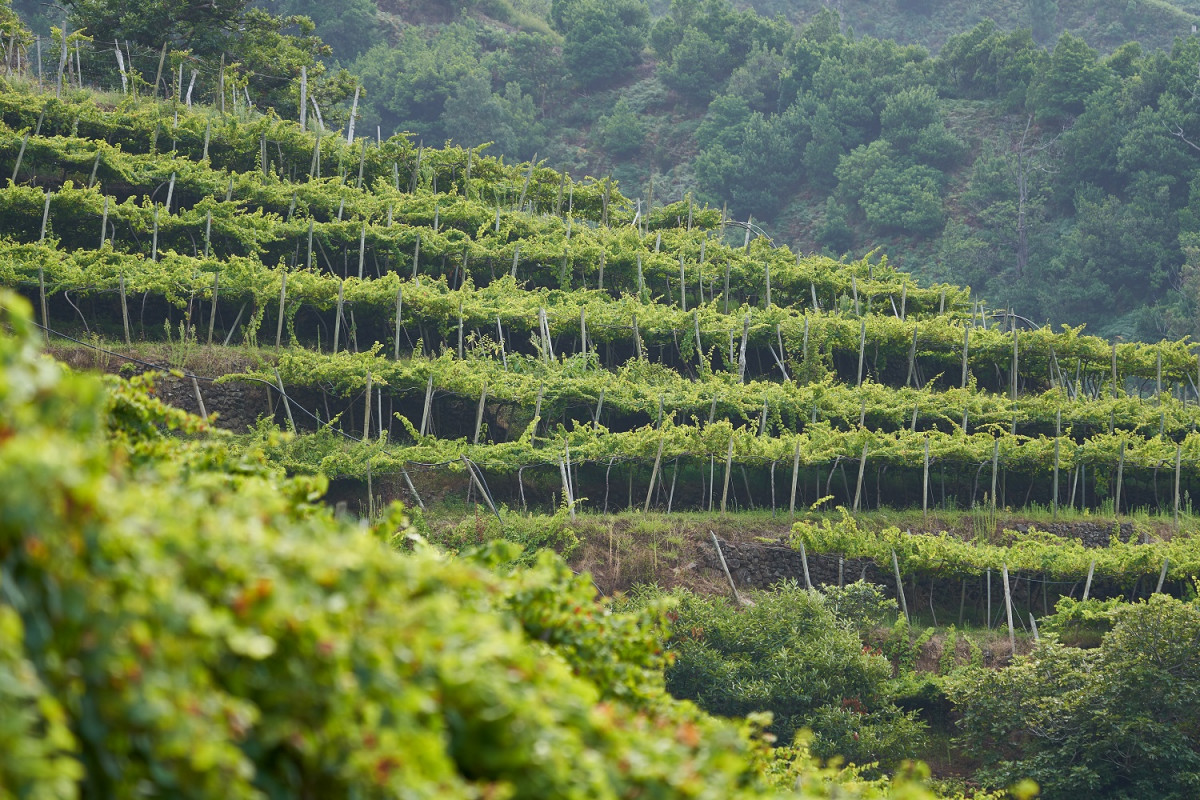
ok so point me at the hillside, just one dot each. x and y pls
(1051, 174)
(518, 354)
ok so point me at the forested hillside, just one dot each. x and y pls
(1046, 159)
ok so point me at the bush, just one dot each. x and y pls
(789, 654)
(1117, 721)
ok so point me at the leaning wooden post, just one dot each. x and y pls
(304, 99)
(725, 567)
(537, 411)
(900, 587)
(286, 405)
(337, 318)
(728, 470)
(862, 466)
(45, 216)
(199, 399)
(479, 414)
(428, 405)
(1087, 586)
(1012, 633)
(654, 474)
(804, 562)
(795, 479)
(125, 311)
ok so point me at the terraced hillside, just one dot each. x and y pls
(517, 353)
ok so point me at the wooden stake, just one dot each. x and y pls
(862, 346)
(725, 567)
(45, 216)
(795, 479)
(125, 312)
(995, 469)
(1057, 439)
(912, 358)
(42, 299)
(479, 414)
(925, 483)
(199, 398)
(900, 587)
(1012, 634)
(282, 301)
(1120, 476)
(1178, 454)
(399, 310)
(537, 411)
(1015, 363)
(286, 405)
(337, 318)
(1114, 370)
(862, 466)
(362, 246)
(411, 488)
(966, 351)
(742, 349)
(654, 474)
(1162, 576)
(1087, 586)
(428, 406)
(367, 411)
(728, 470)
(104, 223)
(804, 562)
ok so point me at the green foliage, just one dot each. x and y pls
(602, 39)
(349, 27)
(790, 655)
(263, 46)
(1116, 721)
(206, 630)
(1072, 73)
(622, 133)
(1081, 623)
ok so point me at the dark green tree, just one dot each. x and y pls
(1061, 89)
(603, 41)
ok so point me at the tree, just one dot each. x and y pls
(603, 40)
(790, 655)
(1062, 88)
(350, 27)
(697, 68)
(1116, 721)
(622, 133)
